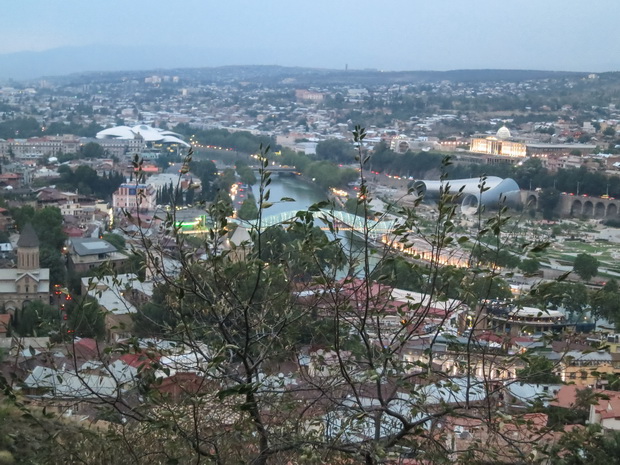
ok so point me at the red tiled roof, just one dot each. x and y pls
(139, 359)
(73, 232)
(86, 347)
(491, 337)
(565, 397)
(607, 406)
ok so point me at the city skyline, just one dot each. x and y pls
(400, 35)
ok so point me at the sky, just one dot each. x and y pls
(391, 35)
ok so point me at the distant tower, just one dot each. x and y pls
(28, 249)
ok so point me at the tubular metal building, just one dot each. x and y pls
(494, 193)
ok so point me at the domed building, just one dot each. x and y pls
(499, 145)
(148, 133)
(503, 133)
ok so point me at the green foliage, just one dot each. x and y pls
(88, 182)
(248, 210)
(418, 165)
(156, 318)
(37, 319)
(324, 173)
(54, 260)
(246, 174)
(19, 128)
(529, 265)
(92, 150)
(558, 417)
(35, 436)
(169, 195)
(241, 141)
(335, 150)
(590, 445)
(571, 296)
(303, 250)
(207, 173)
(586, 266)
(116, 240)
(605, 302)
(135, 264)
(168, 158)
(547, 202)
(226, 180)
(47, 222)
(539, 370)
(499, 257)
(86, 318)
(490, 287)
(401, 273)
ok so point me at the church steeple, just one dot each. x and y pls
(28, 249)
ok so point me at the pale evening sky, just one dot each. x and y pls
(569, 35)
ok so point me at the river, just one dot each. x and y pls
(304, 193)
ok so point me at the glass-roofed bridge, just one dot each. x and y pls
(343, 220)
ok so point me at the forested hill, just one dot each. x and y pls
(297, 76)
(313, 76)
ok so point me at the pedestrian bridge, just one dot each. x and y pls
(341, 220)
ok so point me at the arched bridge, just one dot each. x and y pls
(578, 206)
(343, 220)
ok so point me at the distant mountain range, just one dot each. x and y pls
(211, 64)
(97, 58)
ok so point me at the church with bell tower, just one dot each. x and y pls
(28, 281)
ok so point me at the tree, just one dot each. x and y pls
(248, 210)
(86, 318)
(336, 150)
(37, 319)
(586, 266)
(540, 370)
(154, 318)
(55, 262)
(491, 286)
(92, 150)
(246, 174)
(48, 223)
(590, 445)
(547, 202)
(571, 296)
(529, 265)
(227, 179)
(207, 173)
(400, 273)
(605, 302)
(116, 240)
